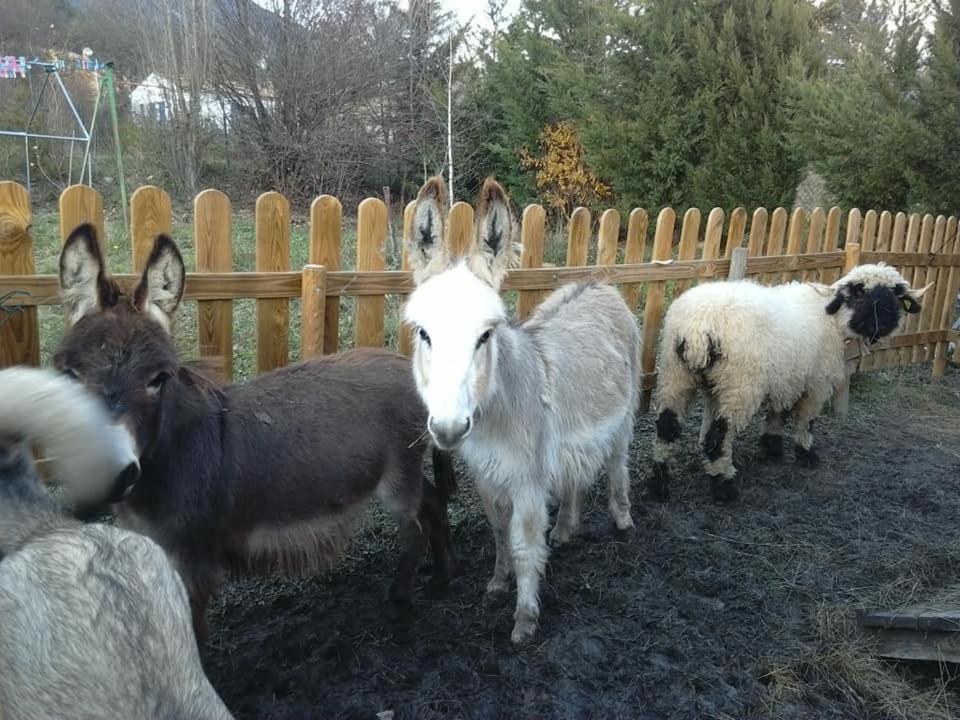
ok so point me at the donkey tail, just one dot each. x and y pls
(444, 474)
(85, 452)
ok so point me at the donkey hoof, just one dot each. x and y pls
(806, 458)
(625, 534)
(559, 536)
(723, 489)
(523, 630)
(772, 446)
(658, 484)
(497, 587)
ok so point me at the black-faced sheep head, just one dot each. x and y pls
(877, 298)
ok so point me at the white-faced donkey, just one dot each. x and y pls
(537, 409)
(94, 621)
(749, 347)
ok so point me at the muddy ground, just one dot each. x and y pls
(711, 612)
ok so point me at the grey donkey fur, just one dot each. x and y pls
(94, 621)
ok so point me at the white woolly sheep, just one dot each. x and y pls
(94, 620)
(747, 346)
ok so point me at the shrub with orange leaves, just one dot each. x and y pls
(563, 179)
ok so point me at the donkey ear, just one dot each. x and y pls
(426, 250)
(84, 286)
(161, 288)
(496, 249)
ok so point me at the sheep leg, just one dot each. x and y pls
(806, 409)
(674, 393)
(771, 442)
(498, 513)
(718, 449)
(528, 524)
(568, 515)
(618, 482)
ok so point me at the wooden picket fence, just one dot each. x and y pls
(778, 246)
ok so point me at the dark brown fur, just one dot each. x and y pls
(263, 476)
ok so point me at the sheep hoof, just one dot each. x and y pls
(723, 489)
(524, 629)
(658, 484)
(624, 535)
(772, 446)
(806, 458)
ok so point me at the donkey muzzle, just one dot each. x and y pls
(447, 434)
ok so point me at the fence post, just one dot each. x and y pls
(818, 221)
(578, 236)
(794, 238)
(150, 215)
(371, 236)
(831, 240)
(405, 339)
(633, 252)
(326, 222)
(460, 229)
(19, 331)
(774, 246)
(212, 232)
(653, 309)
(738, 224)
(82, 204)
(532, 231)
(689, 234)
(950, 280)
(273, 255)
(608, 237)
(738, 264)
(313, 296)
(841, 397)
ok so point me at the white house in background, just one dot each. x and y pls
(153, 100)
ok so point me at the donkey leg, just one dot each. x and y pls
(401, 492)
(498, 513)
(412, 545)
(528, 525)
(618, 483)
(568, 515)
(436, 526)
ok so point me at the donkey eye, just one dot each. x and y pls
(158, 380)
(423, 336)
(483, 338)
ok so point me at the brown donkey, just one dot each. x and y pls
(268, 476)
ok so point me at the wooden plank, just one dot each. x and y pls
(841, 396)
(712, 235)
(578, 237)
(951, 286)
(902, 340)
(689, 236)
(908, 260)
(82, 204)
(371, 236)
(931, 645)
(831, 241)
(738, 224)
(272, 217)
(775, 241)
(326, 224)
(240, 285)
(533, 230)
(738, 264)
(798, 219)
(928, 318)
(919, 280)
(405, 341)
(312, 301)
(608, 238)
(19, 331)
(633, 252)
(653, 310)
(912, 244)
(212, 233)
(150, 215)
(460, 229)
(758, 233)
(884, 231)
(818, 221)
(868, 243)
(898, 239)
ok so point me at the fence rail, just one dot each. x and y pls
(774, 246)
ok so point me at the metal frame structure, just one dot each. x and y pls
(105, 86)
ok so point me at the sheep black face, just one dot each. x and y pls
(877, 298)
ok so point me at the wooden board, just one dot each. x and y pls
(689, 236)
(273, 255)
(818, 222)
(312, 301)
(634, 249)
(19, 331)
(533, 230)
(798, 221)
(82, 204)
(578, 237)
(326, 221)
(923, 631)
(150, 215)
(653, 311)
(212, 232)
(405, 341)
(460, 229)
(371, 237)
(947, 309)
(775, 242)
(738, 224)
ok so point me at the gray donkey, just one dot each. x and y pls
(536, 409)
(94, 621)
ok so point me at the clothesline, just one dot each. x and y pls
(14, 67)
